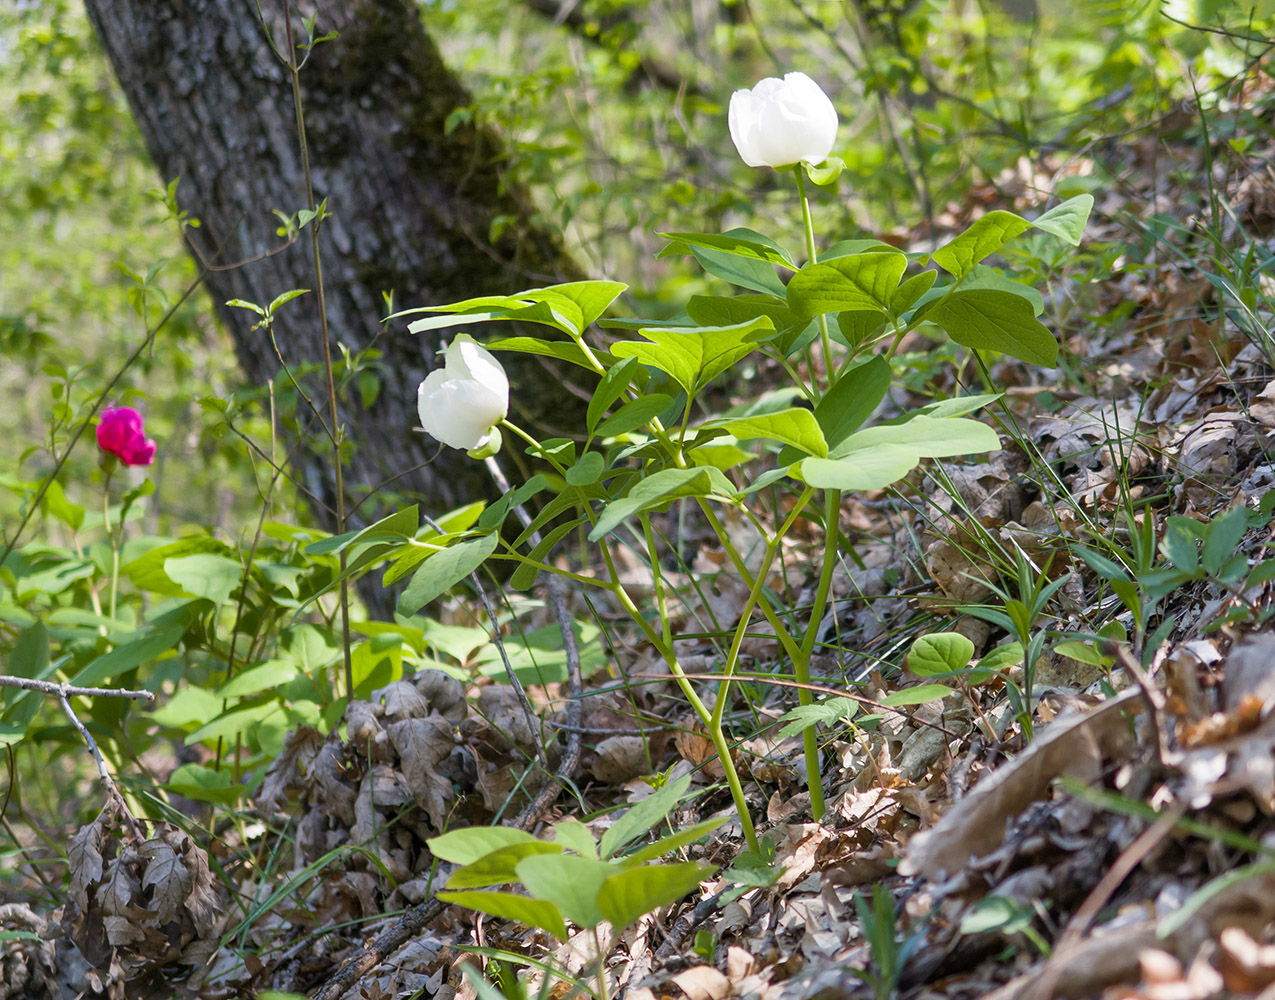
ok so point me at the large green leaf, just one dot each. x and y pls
(521, 909)
(728, 310)
(864, 282)
(568, 881)
(661, 488)
(468, 844)
(795, 427)
(929, 437)
(843, 408)
(123, 658)
(401, 525)
(628, 895)
(695, 355)
(994, 320)
(499, 867)
(443, 570)
(871, 469)
(205, 574)
(147, 571)
(982, 239)
(262, 677)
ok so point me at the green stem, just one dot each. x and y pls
(338, 472)
(110, 538)
(831, 511)
(812, 254)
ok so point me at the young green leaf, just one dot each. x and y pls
(521, 909)
(568, 881)
(939, 653)
(643, 816)
(628, 895)
(468, 844)
(444, 570)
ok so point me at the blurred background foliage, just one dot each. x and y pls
(613, 114)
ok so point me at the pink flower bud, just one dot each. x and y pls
(120, 433)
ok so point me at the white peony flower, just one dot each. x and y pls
(462, 402)
(781, 122)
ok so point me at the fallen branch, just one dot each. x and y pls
(64, 693)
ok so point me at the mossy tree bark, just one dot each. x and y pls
(413, 208)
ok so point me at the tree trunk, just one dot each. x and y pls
(413, 209)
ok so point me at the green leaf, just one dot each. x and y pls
(729, 310)
(643, 816)
(994, 320)
(739, 242)
(147, 571)
(498, 867)
(243, 723)
(799, 718)
(756, 275)
(1179, 545)
(612, 386)
(533, 912)
(662, 488)
(494, 516)
(563, 350)
(132, 654)
(1067, 220)
(672, 842)
(930, 437)
(982, 239)
(1223, 538)
(444, 570)
(525, 575)
(986, 277)
(587, 469)
(56, 504)
(188, 707)
(864, 282)
(203, 784)
(467, 845)
(593, 297)
(262, 677)
(401, 525)
(843, 408)
(205, 575)
(989, 233)
(568, 881)
(796, 427)
(870, 469)
(695, 355)
(575, 836)
(857, 325)
(939, 653)
(628, 895)
(916, 695)
(634, 414)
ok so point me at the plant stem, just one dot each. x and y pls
(831, 510)
(812, 254)
(294, 71)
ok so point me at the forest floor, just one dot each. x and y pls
(1113, 841)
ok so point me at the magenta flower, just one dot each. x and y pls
(120, 434)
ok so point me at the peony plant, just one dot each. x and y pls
(833, 319)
